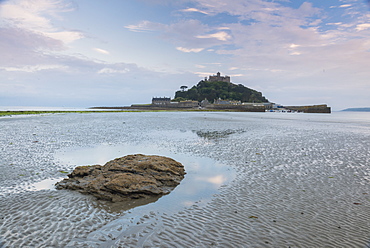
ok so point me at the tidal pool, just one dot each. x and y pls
(203, 176)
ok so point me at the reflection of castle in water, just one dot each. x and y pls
(214, 135)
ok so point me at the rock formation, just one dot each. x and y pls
(133, 176)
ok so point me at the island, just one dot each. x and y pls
(218, 93)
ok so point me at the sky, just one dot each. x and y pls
(84, 53)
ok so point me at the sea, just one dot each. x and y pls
(253, 179)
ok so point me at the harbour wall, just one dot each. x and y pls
(323, 108)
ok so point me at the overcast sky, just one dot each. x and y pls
(85, 53)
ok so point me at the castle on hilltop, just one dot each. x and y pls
(218, 78)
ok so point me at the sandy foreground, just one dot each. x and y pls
(253, 180)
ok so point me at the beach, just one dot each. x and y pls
(253, 180)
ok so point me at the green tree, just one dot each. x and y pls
(184, 87)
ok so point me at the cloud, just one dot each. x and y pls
(218, 180)
(223, 28)
(32, 65)
(272, 12)
(294, 46)
(102, 51)
(113, 71)
(200, 66)
(189, 50)
(237, 75)
(222, 36)
(260, 17)
(362, 26)
(203, 74)
(186, 33)
(20, 47)
(345, 5)
(145, 26)
(65, 36)
(35, 16)
(28, 14)
(29, 39)
(34, 68)
(194, 10)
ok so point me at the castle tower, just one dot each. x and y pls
(219, 78)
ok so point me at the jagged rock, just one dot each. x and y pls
(133, 176)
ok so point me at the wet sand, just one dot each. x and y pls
(254, 180)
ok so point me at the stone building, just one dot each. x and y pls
(218, 78)
(161, 100)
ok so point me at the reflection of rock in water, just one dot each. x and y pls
(125, 204)
(217, 134)
(130, 177)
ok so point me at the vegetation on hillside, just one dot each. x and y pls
(223, 90)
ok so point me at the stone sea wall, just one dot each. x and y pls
(242, 108)
(323, 108)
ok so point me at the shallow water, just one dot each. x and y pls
(203, 175)
(253, 180)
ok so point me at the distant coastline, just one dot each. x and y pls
(357, 109)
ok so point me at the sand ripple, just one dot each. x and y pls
(301, 182)
(48, 219)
